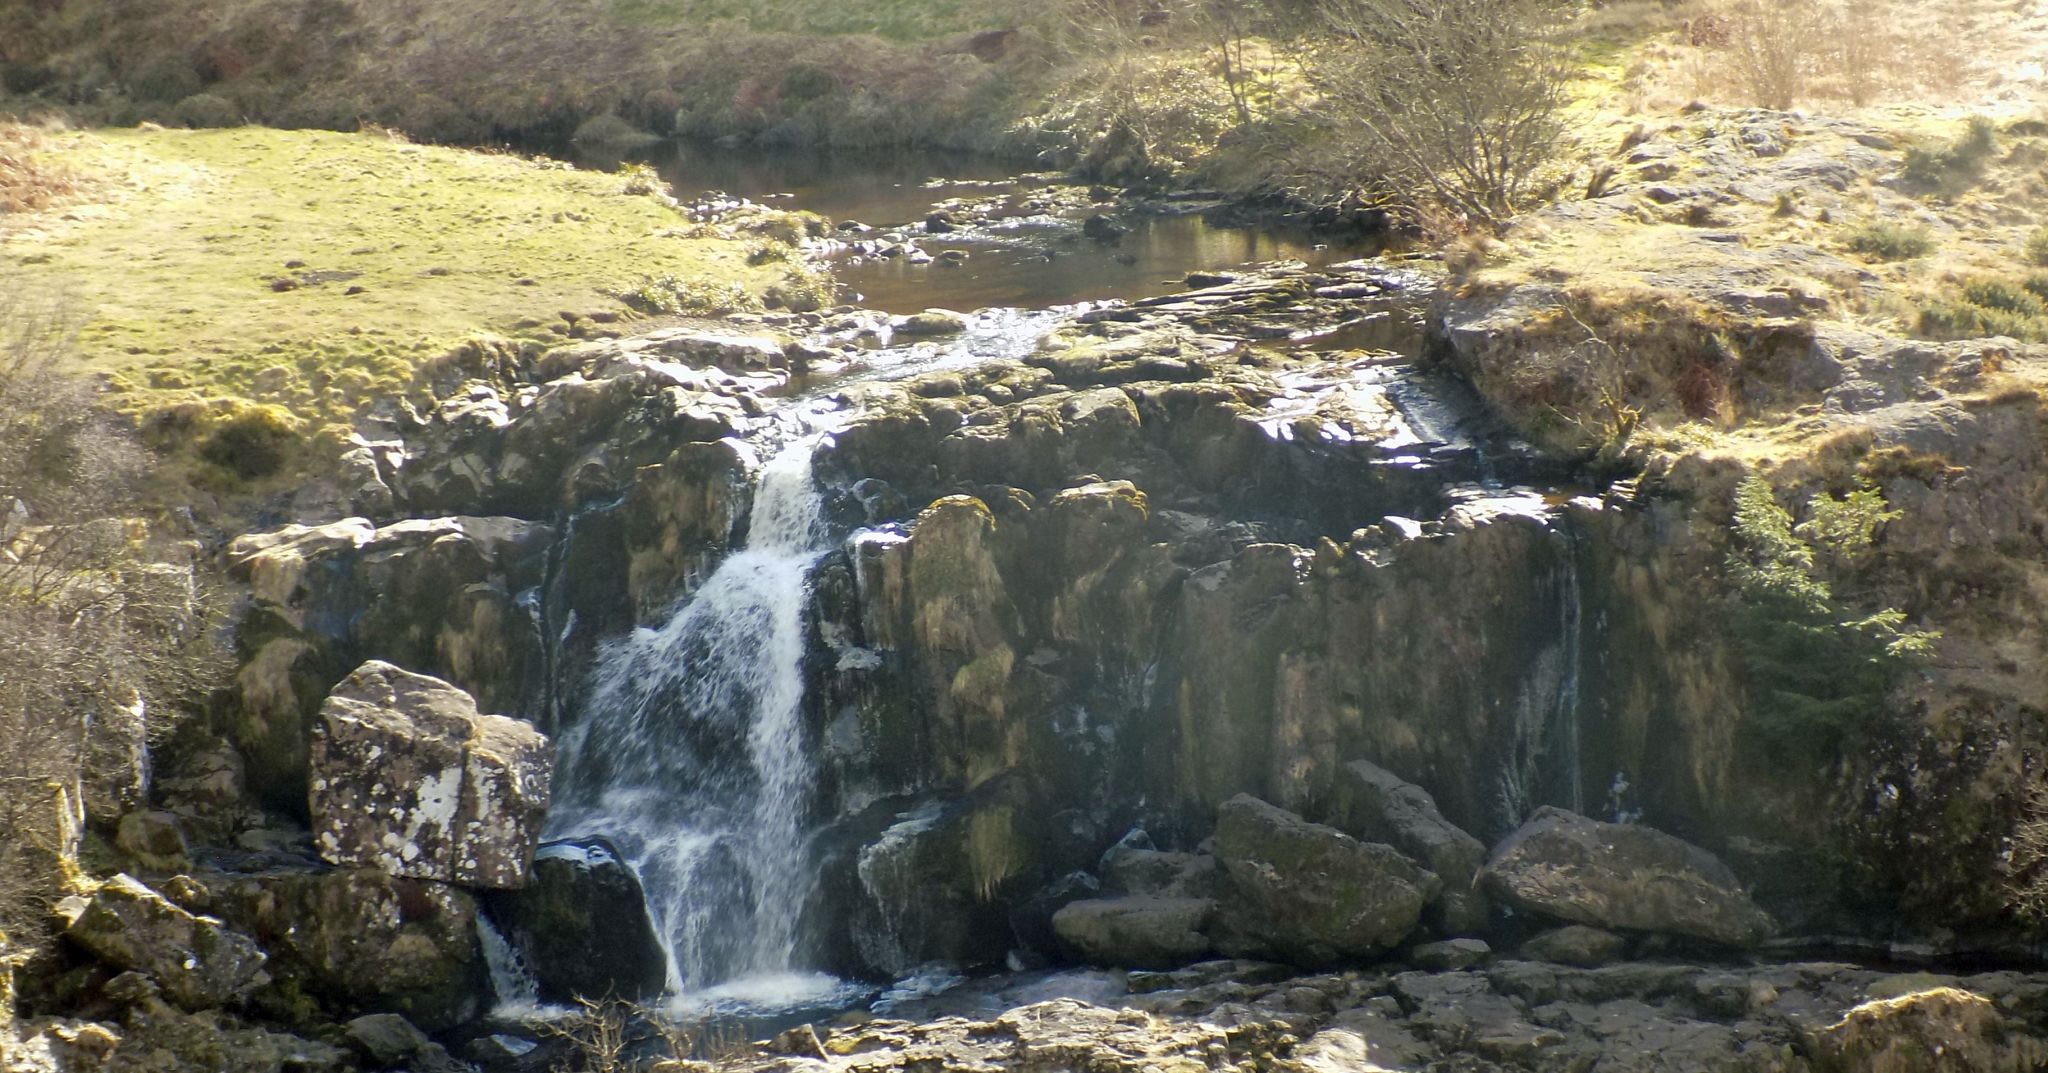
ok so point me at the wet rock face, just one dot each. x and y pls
(1309, 894)
(409, 778)
(935, 879)
(197, 961)
(581, 925)
(1565, 866)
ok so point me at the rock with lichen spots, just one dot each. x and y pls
(409, 778)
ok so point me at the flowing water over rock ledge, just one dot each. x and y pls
(883, 647)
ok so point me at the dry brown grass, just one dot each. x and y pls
(1953, 56)
(30, 179)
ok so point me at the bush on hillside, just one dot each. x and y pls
(1456, 103)
(1891, 242)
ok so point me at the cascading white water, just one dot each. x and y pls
(512, 985)
(691, 755)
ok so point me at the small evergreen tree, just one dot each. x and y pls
(1819, 670)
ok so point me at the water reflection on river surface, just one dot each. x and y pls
(1027, 262)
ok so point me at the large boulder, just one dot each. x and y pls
(581, 925)
(350, 941)
(1623, 876)
(1135, 933)
(409, 778)
(1377, 805)
(1311, 894)
(197, 961)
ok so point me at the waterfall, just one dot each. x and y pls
(690, 755)
(1543, 763)
(1564, 739)
(512, 984)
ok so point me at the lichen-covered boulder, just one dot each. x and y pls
(1135, 933)
(581, 925)
(1311, 894)
(1622, 876)
(199, 963)
(155, 840)
(409, 778)
(1377, 805)
(349, 941)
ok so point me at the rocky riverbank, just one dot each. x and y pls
(1230, 622)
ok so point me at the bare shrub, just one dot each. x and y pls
(1775, 48)
(1455, 102)
(2026, 866)
(100, 641)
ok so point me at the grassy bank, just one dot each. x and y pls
(309, 272)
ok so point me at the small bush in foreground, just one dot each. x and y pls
(100, 645)
(1891, 242)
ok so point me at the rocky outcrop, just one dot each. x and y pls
(1237, 1017)
(1310, 894)
(350, 941)
(1376, 805)
(197, 961)
(439, 595)
(1565, 866)
(408, 777)
(581, 925)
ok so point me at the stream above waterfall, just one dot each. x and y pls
(1023, 248)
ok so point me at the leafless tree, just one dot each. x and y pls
(1451, 102)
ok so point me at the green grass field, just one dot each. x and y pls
(308, 267)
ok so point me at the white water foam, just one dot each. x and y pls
(692, 757)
